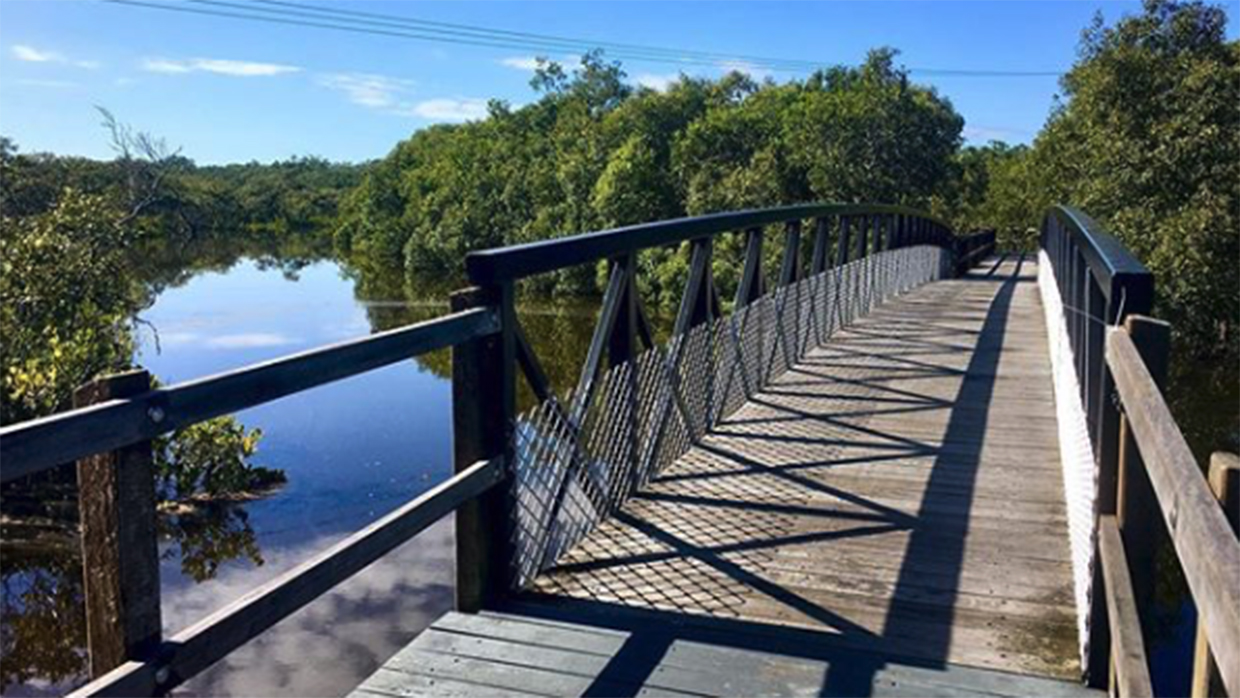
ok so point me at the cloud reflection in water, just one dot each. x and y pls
(331, 645)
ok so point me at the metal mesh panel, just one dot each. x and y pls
(572, 469)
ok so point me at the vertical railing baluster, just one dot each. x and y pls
(817, 270)
(843, 279)
(789, 271)
(622, 349)
(751, 288)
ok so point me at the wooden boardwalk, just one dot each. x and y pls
(886, 518)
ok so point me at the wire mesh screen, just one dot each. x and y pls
(578, 460)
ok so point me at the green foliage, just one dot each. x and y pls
(1149, 144)
(69, 298)
(593, 153)
(65, 303)
(210, 460)
(992, 187)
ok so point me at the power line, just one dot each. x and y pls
(568, 42)
(363, 30)
(355, 21)
(492, 37)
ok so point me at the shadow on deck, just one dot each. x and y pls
(886, 518)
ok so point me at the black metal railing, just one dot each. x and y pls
(1100, 282)
(583, 449)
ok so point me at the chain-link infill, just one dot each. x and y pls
(571, 474)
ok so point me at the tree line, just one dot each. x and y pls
(1145, 138)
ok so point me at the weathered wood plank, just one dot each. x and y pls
(803, 506)
(1224, 478)
(120, 550)
(1207, 548)
(1130, 668)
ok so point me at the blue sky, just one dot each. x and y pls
(228, 90)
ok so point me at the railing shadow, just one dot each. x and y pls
(684, 559)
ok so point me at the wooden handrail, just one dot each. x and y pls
(39, 444)
(1207, 548)
(201, 645)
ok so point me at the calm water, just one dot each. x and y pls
(352, 451)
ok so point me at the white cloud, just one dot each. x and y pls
(655, 81)
(159, 65)
(30, 54)
(449, 109)
(248, 340)
(749, 69)
(529, 63)
(219, 66)
(33, 55)
(391, 96)
(368, 90)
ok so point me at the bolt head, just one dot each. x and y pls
(156, 414)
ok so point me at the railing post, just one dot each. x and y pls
(1225, 484)
(837, 317)
(1123, 486)
(483, 410)
(1138, 514)
(120, 550)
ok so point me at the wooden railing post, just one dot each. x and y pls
(483, 408)
(1225, 484)
(1138, 514)
(1140, 522)
(120, 552)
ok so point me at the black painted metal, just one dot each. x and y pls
(519, 261)
(1100, 283)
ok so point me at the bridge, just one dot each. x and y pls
(896, 461)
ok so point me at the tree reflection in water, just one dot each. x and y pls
(207, 536)
(43, 626)
(42, 621)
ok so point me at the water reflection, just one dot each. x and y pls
(325, 648)
(43, 634)
(208, 536)
(44, 626)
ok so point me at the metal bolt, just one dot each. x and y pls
(162, 674)
(156, 414)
